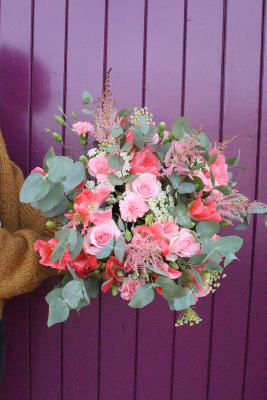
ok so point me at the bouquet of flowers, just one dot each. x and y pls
(139, 213)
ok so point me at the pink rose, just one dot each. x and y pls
(206, 181)
(99, 168)
(83, 127)
(183, 245)
(219, 168)
(132, 207)
(145, 161)
(146, 186)
(129, 288)
(170, 229)
(98, 236)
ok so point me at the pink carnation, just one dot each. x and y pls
(170, 229)
(132, 207)
(99, 168)
(82, 127)
(129, 288)
(184, 245)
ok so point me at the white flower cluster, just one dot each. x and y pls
(160, 206)
(90, 185)
(96, 152)
(126, 168)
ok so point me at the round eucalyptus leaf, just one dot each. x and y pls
(59, 168)
(73, 293)
(58, 311)
(74, 177)
(35, 188)
(53, 197)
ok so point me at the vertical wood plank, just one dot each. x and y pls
(47, 94)
(84, 72)
(240, 115)
(202, 105)
(163, 99)
(14, 121)
(118, 320)
(255, 378)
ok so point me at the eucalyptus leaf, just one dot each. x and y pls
(165, 148)
(186, 187)
(54, 293)
(59, 168)
(105, 252)
(233, 161)
(119, 249)
(35, 188)
(175, 180)
(58, 311)
(125, 113)
(230, 257)
(92, 286)
(184, 220)
(58, 251)
(82, 303)
(207, 229)
(131, 178)
(212, 159)
(114, 180)
(152, 130)
(202, 137)
(117, 132)
(212, 178)
(78, 247)
(180, 127)
(197, 277)
(197, 259)
(114, 160)
(212, 267)
(127, 146)
(145, 129)
(50, 153)
(75, 176)
(170, 290)
(112, 149)
(126, 126)
(258, 208)
(143, 296)
(72, 293)
(183, 302)
(220, 248)
(180, 210)
(225, 189)
(53, 197)
(59, 209)
(67, 278)
(158, 271)
(199, 185)
(87, 98)
(85, 111)
(72, 239)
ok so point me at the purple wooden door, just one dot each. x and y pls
(206, 60)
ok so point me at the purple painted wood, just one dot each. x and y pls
(240, 115)
(118, 324)
(165, 362)
(14, 122)
(202, 105)
(84, 72)
(162, 97)
(47, 94)
(256, 363)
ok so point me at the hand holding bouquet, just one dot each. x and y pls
(139, 214)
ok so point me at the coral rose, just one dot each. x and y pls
(98, 236)
(145, 161)
(84, 264)
(99, 168)
(204, 213)
(170, 229)
(132, 207)
(46, 249)
(83, 127)
(146, 186)
(184, 245)
(219, 168)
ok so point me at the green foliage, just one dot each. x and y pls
(186, 187)
(87, 98)
(175, 180)
(197, 259)
(131, 178)
(114, 160)
(112, 149)
(207, 229)
(230, 257)
(54, 293)
(59, 168)
(212, 267)
(143, 296)
(53, 197)
(105, 252)
(77, 247)
(92, 286)
(74, 116)
(119, 249)
(221, 248)
(57, 210)
(180, 127)
(183, 302)
(85, 111)
(212, 178)
(114, 180)
(170, 290)
(233, 161)
(165, 148)
(202, 137)
(35, 188)
(126, 146)
(258, 208)
(197, 276)
(73, 293)
(117, 132)
(75, 176)
(60, 120)
(82, 303)
(58, 311)
(59, 251)
(157, 271)
(50, 153)
(243, 225)
(225, 189)
(212, 159)
(125, 113)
